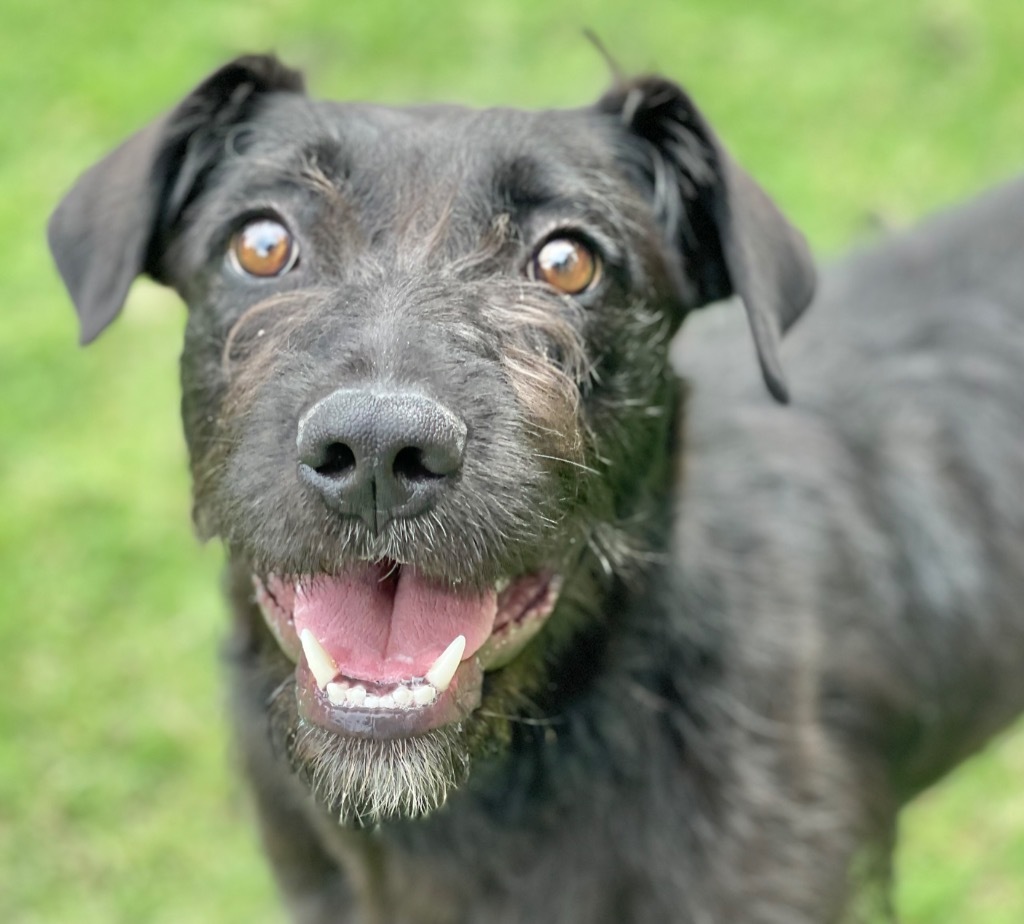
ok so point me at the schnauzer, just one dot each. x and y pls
(525, 628)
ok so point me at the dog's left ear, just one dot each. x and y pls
(730, 237)
(109, 228)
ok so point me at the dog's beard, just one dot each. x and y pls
(365, 781)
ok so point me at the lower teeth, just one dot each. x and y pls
(401, 697)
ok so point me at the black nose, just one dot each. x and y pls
(379, 455)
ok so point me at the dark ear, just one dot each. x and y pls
(730, 236)
(108, 228)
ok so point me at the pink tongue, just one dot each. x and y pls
(386, 624)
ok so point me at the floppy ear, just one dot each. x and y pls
(108, 228)
(730, 236)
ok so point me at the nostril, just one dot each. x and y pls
(410, 465)
(338, 459)
(379, 455)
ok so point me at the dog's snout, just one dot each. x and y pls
(380, 455)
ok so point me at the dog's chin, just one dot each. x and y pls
(378, 711)
(362, 781)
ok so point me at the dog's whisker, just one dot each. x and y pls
(564, 461)
(592, 543)
(547, 722)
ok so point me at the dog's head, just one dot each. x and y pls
(426, 387)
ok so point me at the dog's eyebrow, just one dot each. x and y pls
(521, 184)
(326, 157)
(528, 188)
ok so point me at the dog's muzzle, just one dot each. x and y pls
(382, 651)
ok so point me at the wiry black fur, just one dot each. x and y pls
(778, 623)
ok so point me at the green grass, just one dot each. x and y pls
(117, 801)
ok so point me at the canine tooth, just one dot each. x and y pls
(371, 701)
(502, 584)
(402, 696)
(320, 662)
(424, 696)
(355, 696)
(440, 675)
(337, 694)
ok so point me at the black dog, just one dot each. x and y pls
(551, 640)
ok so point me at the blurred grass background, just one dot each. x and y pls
(117, 801)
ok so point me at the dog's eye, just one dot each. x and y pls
(263, 248)
(567, 264)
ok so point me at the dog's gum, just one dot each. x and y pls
(509, 639)
(505, 644)
(278, 621)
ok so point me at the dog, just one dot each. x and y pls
(528, 624)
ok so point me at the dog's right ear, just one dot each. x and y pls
(108, 229)
(728, 236)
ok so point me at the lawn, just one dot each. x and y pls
(117, 801)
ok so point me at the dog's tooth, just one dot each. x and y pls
(424, 695)
(387, 701)
(355, 696)
(402, 696)
(320, 662)
(337, 694)
(440, 675)
(370, 701)
(502, 584)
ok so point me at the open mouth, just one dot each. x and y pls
(381, 651)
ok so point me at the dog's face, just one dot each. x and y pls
(426, 389)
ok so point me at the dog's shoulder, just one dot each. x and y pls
(888, 486)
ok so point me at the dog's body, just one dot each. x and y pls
(775, 624)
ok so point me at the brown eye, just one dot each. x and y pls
(567, 264)
(263, 248)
